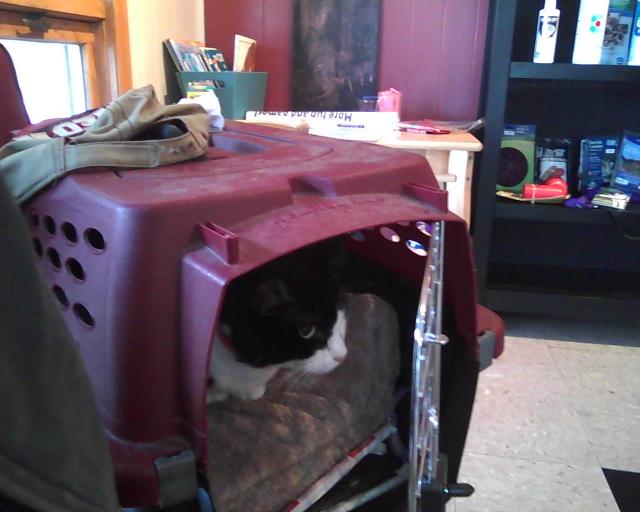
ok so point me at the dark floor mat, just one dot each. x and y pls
(625, 487)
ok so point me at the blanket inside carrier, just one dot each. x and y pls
(266, 453)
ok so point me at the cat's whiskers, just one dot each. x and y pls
(297, 376)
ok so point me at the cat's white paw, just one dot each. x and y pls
(249, 393)
(256, 393)
(217, 395)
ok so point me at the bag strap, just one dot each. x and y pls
(147, 153)
(58, 157)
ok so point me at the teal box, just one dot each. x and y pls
(237, 91)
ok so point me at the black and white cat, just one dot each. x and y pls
(288, 314)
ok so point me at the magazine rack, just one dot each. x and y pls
(238, 91)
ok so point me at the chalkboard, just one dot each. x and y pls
(335, 52)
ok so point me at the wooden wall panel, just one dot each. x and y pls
(431, 50)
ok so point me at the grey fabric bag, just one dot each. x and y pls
(105, 137)
(54, 455)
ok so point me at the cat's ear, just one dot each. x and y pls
(271, 295)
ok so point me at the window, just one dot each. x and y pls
(54, 68)
(91, 48)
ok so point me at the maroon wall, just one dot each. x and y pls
(431, 50)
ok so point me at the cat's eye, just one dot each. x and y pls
(307, 331)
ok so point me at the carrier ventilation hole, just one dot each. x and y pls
(61, 296)
(54, 257)
(416, 247)
(389, 234)
(358, 236)
(35, 220)
(95, 239)
(50, 225)
(75, 268)
(424, 228)
(37, 246)
(69, 232)
(83, 315)
(404, 223)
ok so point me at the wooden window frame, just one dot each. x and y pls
(99, 26)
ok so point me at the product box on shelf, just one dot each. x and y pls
(555, 159)
(592, 19)
(517, 157)
(597, 160)
(626, 174)
(634, 47)
(615, 46)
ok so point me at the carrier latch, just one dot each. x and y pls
(436, 493)
(177, 478)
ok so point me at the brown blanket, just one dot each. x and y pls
(265, 453)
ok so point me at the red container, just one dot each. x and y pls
(139, 261)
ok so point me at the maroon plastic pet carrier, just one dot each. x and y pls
(139, 261)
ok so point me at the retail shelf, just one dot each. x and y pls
(563, 304)
(506, 209)
(529, 70)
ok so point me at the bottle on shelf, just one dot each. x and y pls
(592, 19)
(546, 33)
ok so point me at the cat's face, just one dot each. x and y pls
(284, 323)
(330, 356)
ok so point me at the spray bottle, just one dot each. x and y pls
(547, 33)
(592, 20)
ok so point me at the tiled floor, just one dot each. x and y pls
(549, 414)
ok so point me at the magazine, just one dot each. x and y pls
(214, 59)
(244, 56)
(197, 88)
(187, 55)
(436, 127)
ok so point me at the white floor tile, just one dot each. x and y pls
(523, 410)
(549, 414)
(510, 484)
(604, 375)
(604, 388)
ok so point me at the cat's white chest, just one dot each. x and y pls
(232, 377)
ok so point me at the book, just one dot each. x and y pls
(214, 58)
(187, 55)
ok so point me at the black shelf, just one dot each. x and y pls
(563, 304)
(557, 213)
(563, 291)
(598, 73)
(546, 258)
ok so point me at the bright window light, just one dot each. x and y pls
(50, 77)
